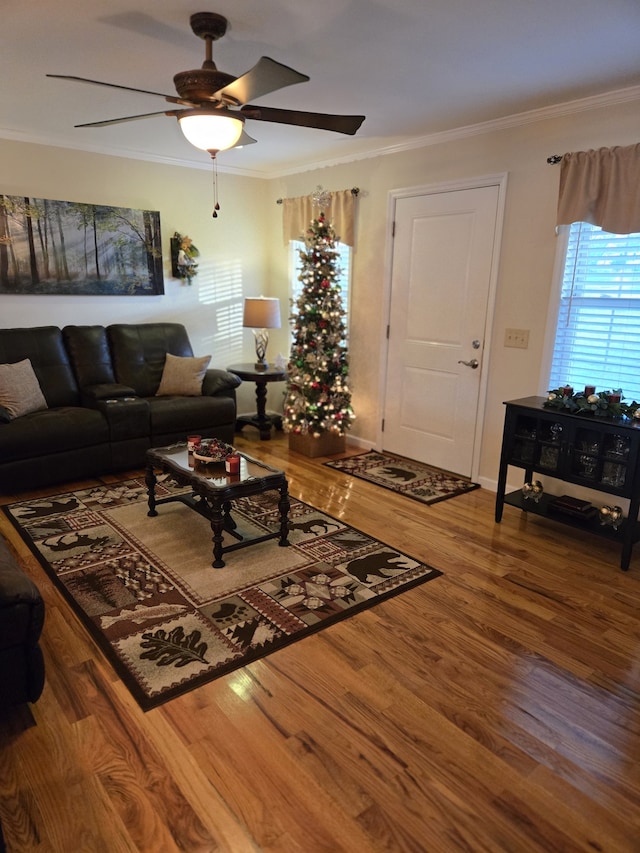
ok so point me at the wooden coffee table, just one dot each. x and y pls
(213, 491)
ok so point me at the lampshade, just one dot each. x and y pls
(261, 313)
(211, 130)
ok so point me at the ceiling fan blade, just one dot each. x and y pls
(245, 139)
(266, 76)
(126, 118)
(170, 98)
(320, 121)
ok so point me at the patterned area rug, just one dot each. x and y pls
(413, 479)
(168, 621)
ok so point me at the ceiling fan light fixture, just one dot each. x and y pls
(211, 130)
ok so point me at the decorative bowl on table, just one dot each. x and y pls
(213, 450)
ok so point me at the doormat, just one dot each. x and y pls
(145, 588)
(413, 479)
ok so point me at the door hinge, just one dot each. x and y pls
(388, 329)
(383, 425)
(393, 229)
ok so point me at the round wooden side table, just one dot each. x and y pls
(262, 419)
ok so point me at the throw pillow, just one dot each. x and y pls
(20, 391)
(183, 376)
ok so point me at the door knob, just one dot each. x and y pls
(473, 364)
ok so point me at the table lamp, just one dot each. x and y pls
(261, 313)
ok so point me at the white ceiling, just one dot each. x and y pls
(413, 67)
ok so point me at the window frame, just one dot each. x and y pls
(553, 312)
(554, 316)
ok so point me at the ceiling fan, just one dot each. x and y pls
(215, 103)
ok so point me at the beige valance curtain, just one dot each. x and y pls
(601, 187)
(297, 214)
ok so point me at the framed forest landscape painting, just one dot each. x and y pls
(73, 248)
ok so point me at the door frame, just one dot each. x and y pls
(500, 180)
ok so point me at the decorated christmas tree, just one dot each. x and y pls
(318, 399)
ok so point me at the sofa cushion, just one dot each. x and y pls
(20, 391)
(52, 431)
(44, 347)
(182, 377)
(179, 418)
(88, 347)
(139, 352)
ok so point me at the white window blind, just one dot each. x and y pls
(344, 264)
(598, 330)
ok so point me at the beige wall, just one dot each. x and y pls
(242, 252)
(233, 248)
(527, 251)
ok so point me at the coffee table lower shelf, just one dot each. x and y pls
(229, 526)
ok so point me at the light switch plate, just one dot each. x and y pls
(516, 338)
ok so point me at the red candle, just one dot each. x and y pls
(193, 442)
(567, 390)
(232, 464)
(589, 390)
(614, 398)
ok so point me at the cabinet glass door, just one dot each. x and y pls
(550, 440)
(585, 459)
(525, 440)
(616, 453)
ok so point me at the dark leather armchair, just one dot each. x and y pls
(21, 622)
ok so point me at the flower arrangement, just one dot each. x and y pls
(607, 404)
(213, 450)
(183, 255)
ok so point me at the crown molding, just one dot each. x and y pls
(126, 153)
(618, 96)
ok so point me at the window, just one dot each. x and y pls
(344, 263)
(598, 327)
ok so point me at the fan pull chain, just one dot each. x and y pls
(216, 206)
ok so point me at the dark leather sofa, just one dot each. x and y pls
(21, 621)
(102, 414)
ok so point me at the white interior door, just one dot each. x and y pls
(443, 255)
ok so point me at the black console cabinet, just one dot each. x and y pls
(599, 453)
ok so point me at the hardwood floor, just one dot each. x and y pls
(494, 709)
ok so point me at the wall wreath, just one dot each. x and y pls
(183, 255)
